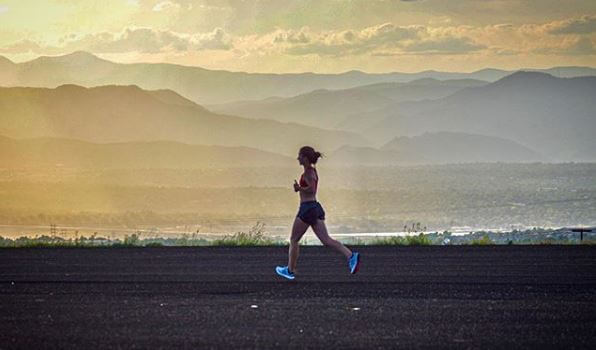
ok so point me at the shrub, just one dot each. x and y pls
(390, 241)
(255, 236)
(420, 239)
(485, 240)
(129, 241)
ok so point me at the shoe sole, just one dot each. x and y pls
(357, 264)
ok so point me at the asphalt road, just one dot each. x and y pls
(216, 297)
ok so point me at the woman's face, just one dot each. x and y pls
(300, 159)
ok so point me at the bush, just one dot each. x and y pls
(389, 241)
(420, 239)
(44, 242)
(485, 240)
(254, 237)
(129, 241)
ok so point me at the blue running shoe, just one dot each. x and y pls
(354, 262)
(285, 272)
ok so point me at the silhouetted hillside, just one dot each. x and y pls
(554, 116)
(50, 152)
(322, 108)
(213, 86)
(330, 108)
(457, 147)
(438, 148)
(128, 113)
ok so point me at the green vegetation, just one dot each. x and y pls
(254, 237)
(589, 241)
(154, 245)
(134, 240)
(420, 239)
(52, 242)
(485, 240)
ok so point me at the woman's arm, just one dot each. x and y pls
(309, 178)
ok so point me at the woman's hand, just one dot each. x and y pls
(296, 186)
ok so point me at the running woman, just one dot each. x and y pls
(311, 213)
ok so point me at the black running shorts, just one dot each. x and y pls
(310, 211)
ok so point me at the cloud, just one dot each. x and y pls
(582, 25)
(499, 51)
(344, 42)
(388, 39)
(148, 40)
(165, 6)
(444, 45)
(382, 40)
(292, 36)
(503, 26)
(22, 46)
(573, 47)
(143, 40)
(218, 39)
(3, 9)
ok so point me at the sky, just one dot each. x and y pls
(322, 36)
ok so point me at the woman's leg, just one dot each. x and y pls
(298, 230)
(321, 232)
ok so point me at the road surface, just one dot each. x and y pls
(221, 298)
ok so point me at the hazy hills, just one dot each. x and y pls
(542, 116)
(554, 116)
(50, 152)
(329, 108)
(128, 113)
(212, 86)
(437, 148)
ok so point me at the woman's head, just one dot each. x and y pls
(309, 154)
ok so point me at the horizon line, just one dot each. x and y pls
(296, 73)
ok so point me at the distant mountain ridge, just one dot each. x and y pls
(213, 86)
(437, 148)
(429, 148)
(553, 116)
(129, 113)
(50, 152)
(330, 108)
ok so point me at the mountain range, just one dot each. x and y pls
(128, 113)
(554, 116)
(523, 116)
(437, 148)
(50, 152)
(329, 108)
(214, 86)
